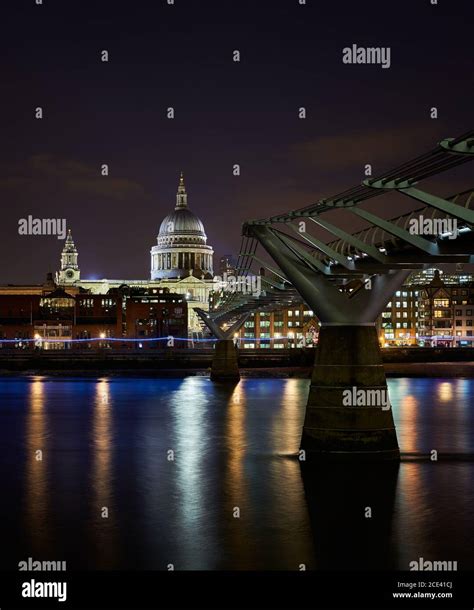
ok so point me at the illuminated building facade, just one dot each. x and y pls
(422, 313)
(59, 320)
(446, 314)
(293, 327)
(398, 323)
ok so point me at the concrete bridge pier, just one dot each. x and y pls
(224, 362)
(348, 412)
(224, 365)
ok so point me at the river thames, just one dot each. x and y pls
(127, 473)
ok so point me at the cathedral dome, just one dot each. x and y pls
(181, 248)
(182, 222)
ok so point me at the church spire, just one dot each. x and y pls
(181, 197)
(69, 272)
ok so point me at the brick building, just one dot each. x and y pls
(59, 319)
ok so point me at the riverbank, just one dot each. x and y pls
(406, 369)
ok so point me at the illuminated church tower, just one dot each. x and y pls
(69, 273)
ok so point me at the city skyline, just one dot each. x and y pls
(226, 113)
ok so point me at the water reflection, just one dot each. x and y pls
(36, 522)
(351, 510)
(106, 443)
(103, 510)
(190, 408)
(445, 391)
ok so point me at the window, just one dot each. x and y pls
(441, 302)
(264, 323)
(249, 324)
(398, 304)
(459, 312)
(458, 322)
(405, 304)
(278, 323)
(399, 315)
(405, 314)
(468, 312)
(468, 322)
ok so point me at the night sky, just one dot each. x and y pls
(226, 113)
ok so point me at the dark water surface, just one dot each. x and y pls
(107, 443)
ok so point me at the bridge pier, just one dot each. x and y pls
(225, 365)
(348, 416)
(348, 369)
(224, 362)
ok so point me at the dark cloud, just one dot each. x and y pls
(376, 146)
(46, 170)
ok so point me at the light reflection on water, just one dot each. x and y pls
(205, 476)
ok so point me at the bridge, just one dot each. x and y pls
(347, 279)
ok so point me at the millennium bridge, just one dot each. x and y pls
(347, 281)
